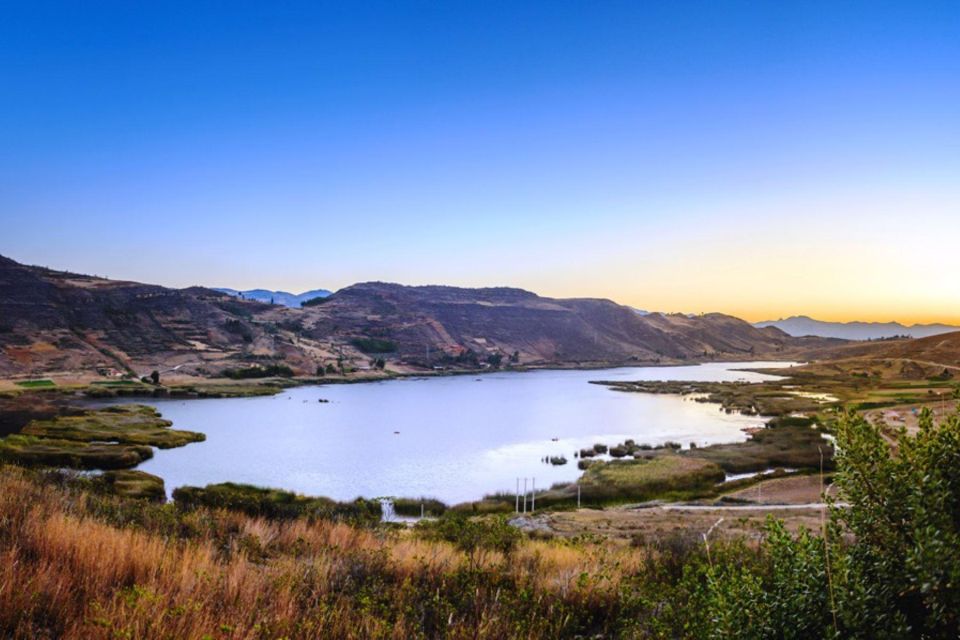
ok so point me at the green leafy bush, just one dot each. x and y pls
(374, 345)
(257, 371)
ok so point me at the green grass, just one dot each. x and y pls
(274, 503)
(645, 479)
(224, 390)
(199, 390)
(135, 484)
(36, 384)
(33, 451)
(124, 424)
(112, 438)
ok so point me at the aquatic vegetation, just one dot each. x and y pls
(792, 445)
(756, 398)
(31, 450)
(123, 424)
(112, 438)
(649, 478)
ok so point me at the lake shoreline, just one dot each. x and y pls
(222, 387)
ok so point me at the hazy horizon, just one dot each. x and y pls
(415, 284)
(759, 160)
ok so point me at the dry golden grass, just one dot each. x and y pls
(68, 571)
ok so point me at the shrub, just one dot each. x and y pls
(900, 578)
(275, 503)
(374, 345)
(257, 371)
(412, 506)
(490, 533)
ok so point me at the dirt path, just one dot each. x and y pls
(796, 500)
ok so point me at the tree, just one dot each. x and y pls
(888, 562)
(155, 377)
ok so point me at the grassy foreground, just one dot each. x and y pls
(77, 564)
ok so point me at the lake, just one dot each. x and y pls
(455, 438)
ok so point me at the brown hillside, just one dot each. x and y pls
(53, 321)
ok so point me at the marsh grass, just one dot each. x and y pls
(123, 424)
(648, 478)
(792, 445)
(113, 438)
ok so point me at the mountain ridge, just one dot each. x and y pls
(55, 321)
(803, 325)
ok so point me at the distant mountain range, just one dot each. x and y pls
(287, 299)
(53, 321)
(799, 326)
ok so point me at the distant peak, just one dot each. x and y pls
(285, 298)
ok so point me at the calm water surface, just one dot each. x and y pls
(459, 437)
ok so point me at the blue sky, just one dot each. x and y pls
(759, 158)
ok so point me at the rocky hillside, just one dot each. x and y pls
(433, 323)
(942, 349)
(57, 321)
(53, 321)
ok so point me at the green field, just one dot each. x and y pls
(36, 384)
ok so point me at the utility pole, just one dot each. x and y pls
(533, 497)
(524, 495)
(517, 508)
